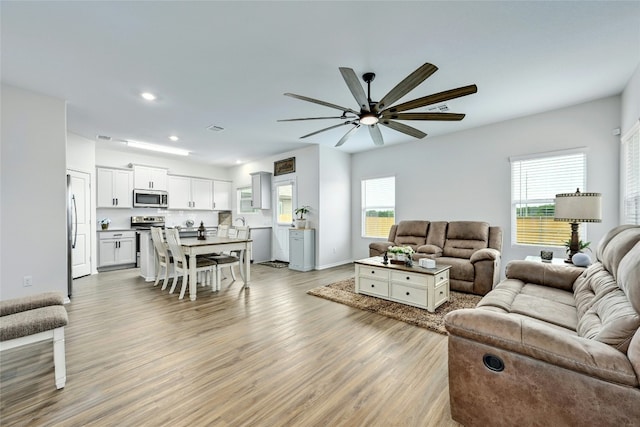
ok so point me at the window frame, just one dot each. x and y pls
(515, 203)
(630, 176)
(364, 208)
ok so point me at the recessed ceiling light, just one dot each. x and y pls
(160, 148)
(148, 96)
(238, 162)
(174, 138)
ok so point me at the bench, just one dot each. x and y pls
(32, 319)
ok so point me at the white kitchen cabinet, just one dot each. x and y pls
(302, 249)
(222, 195)
(149, 178)
(115, 188)
(188, 193)
(261, 190)
(116, 248)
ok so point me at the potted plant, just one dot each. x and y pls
(300, 212)
(400, 254)
(104, 223)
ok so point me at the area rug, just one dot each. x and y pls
(344, 293)
(275, 264)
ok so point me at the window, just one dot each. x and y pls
(244, 201)
(535, 181)
(631, 176)
(378, 206)
(284, 197)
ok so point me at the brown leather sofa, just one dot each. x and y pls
(553, 345)
(471, 248)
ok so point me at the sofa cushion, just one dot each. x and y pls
(465, 237)
(616, 247)
(412, 233)
(437, 233)
(461, 269)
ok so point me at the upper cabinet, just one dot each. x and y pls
(261, 190)
(189, 193)
(149, 178)
(222, 195)
(115, 188)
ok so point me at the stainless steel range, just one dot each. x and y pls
(144, 223)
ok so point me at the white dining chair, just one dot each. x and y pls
(181, 263)
(223, 231)
(163, 258)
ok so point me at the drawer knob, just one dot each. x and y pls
(408, 294)
(373, 272)
(373, 286)
(408, 278)
(441, 292)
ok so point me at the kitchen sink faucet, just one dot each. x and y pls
(244, 221)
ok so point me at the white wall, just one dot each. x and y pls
(334, 235)
(466, 175)
(33, 193)
(81, 155)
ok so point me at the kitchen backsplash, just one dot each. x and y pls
(121, 218)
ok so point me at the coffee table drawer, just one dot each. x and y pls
(413, 278)
(441, 293)
(409, 295)
(374, 287)
(442, 277)
(372, 272)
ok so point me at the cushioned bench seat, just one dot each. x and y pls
(36, 318)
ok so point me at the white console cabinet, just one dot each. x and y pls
(302, 249)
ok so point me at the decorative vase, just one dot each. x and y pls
(581, 260)
(301, 223)
(105, 226)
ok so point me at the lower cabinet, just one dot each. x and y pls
(116, 249)
(302, 249)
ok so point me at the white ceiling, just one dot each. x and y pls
(229, 63)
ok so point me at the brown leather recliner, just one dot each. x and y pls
(472, 248)
(551, 344)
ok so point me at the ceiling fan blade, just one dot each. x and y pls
(325, 129)
(355, 87)
(317, 101)
(434, 99)
(423, 116)
(376, 135)
(406, 85)
(347, 135)
(317, 118)
(401, 127)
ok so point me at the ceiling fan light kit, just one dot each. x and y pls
(373, 113)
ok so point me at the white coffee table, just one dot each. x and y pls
(426, 288)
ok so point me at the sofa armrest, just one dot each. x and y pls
(555, 276)
(432, 250)
(485, 254)
(378, 248)
(542, 342)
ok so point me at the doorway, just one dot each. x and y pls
(80, 211)
(284, 196)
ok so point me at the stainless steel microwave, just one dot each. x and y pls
(150, 199)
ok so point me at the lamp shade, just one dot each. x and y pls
(578, 207)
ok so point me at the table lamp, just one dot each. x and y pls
(576, 208)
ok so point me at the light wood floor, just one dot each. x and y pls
(267, 356)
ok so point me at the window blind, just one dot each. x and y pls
(631, 176)
(378, 206)
(535, 181)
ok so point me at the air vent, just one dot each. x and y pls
(215, 128)
(440, 108)
(103, 137)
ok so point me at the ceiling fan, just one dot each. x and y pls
(373, 113)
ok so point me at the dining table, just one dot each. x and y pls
(193, 247)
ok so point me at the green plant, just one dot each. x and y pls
(581, 245)
(407, 250)
(301, 211)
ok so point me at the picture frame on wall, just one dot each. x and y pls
(285, 166)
